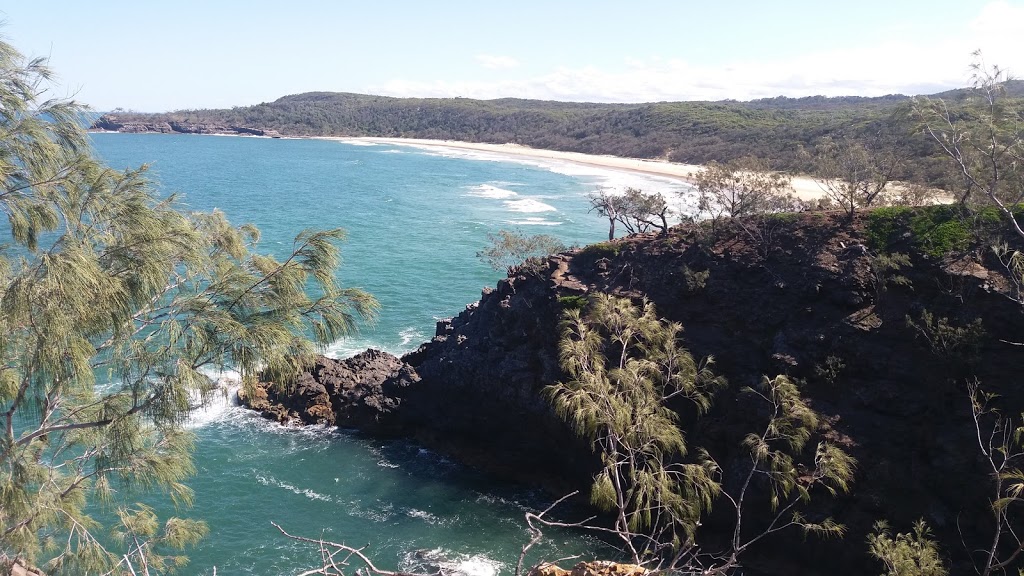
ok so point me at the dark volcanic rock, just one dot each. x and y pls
(364, 392)
(483, 375)
(113, 123)
(801, 302)
(367, 390)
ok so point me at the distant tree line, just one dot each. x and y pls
(777, 130)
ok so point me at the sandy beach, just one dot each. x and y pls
(803, 187)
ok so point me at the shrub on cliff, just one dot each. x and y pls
(983, 139)
(624, 366)
(507, 249)
(109, 284)
(907, 554)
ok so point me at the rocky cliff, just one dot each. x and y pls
(814, 296)
(132, 125)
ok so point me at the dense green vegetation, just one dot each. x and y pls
(775, 129)
(935, 230)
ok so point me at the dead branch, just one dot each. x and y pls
(332, 566)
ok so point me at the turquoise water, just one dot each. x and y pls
(415, 220)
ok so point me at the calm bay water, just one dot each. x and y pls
(415, 220)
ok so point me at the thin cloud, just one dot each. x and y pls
(493, 62)
(894, 66)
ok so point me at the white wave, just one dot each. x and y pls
(477, 565)
(404, 341)
(385, 464)
(112, 386)
(384, 514)
(411, 335)
(358, 142)
(489, 191)
(495, 500)
(422, 515)
(433, 150)
(529, 205)
(349, 347)
(451, 563)
(533, 222)
(681, 196)
(311, 494)
(394, 152)
(219, 401)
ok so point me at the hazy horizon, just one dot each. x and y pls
(134, 111)
(190, 55)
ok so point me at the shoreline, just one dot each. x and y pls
(804, 187)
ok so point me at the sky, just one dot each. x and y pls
(158, 56)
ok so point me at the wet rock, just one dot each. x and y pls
(364, 392)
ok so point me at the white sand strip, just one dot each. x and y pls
(804, 187)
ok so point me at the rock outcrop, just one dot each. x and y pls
(363, 392)
(113, 123)
(805, 298)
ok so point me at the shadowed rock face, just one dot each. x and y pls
(806, 300)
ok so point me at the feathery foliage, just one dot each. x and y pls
(1001, 443)
(983, 137)
(855, 174)
(112, 303)
(639, 212)
(507, 249)
(624, 366)
(907, 554)
(744, 187)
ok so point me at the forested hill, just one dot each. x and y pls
(691, 132)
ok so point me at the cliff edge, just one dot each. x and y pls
(854, 308)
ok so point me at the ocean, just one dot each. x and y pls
(415, 218)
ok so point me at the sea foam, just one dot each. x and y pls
(529, 205)
(489, 191)
(533, 222)
(448, 562)
(311, 494)
(682, 197)
(219, 401)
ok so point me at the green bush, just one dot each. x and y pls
(882, 224)
(602, 250)
(935, 230)
(782, 217)
(830, 370)
(572, 302)
(960, 343)
(693, 280)
(907, 554)
(939, 230)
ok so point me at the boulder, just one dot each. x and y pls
(365, 392)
